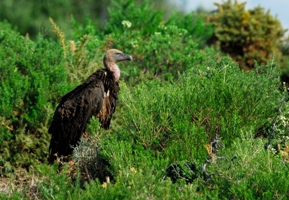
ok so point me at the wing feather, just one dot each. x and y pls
(72, 115)
(97, 96)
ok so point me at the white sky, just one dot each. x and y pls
(279, 8)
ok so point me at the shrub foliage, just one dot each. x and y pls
(175, 99)
(30, 84)
(246, 35)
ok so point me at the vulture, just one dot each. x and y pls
(97, 96)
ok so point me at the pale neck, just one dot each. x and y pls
(114, 69)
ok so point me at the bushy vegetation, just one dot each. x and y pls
(30, 17)
(246, 35)
(189, 123)
(29, 85)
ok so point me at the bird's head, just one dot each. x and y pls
(112, 57)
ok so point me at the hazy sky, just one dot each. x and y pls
(277, 7)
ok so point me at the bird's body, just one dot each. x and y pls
(97, 96)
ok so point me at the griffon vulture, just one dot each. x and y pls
(97, 96)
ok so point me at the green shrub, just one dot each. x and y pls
(160, 49)
(163, 55)
(126, 14)
(33, 78)
(131, 184)
(247, 171)
(195, 26)
(4, 25)
(214, 98)
(32, 18)
(246, 35)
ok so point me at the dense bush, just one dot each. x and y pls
(126, 14)
(152, 58)
(209, 99)
(246, 35)
(247, 171)
(32, 78)
(32, 17)
(149, 40)
(194, 24)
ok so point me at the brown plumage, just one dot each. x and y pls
(97, 96)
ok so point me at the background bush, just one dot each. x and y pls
(30, 17)
(246, 35)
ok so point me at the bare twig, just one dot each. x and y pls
(273, 127)
(212, 149)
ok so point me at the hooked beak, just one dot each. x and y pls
(127, 57)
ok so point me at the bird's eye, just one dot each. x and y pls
(118, 54)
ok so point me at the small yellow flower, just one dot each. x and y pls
(133, 170)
